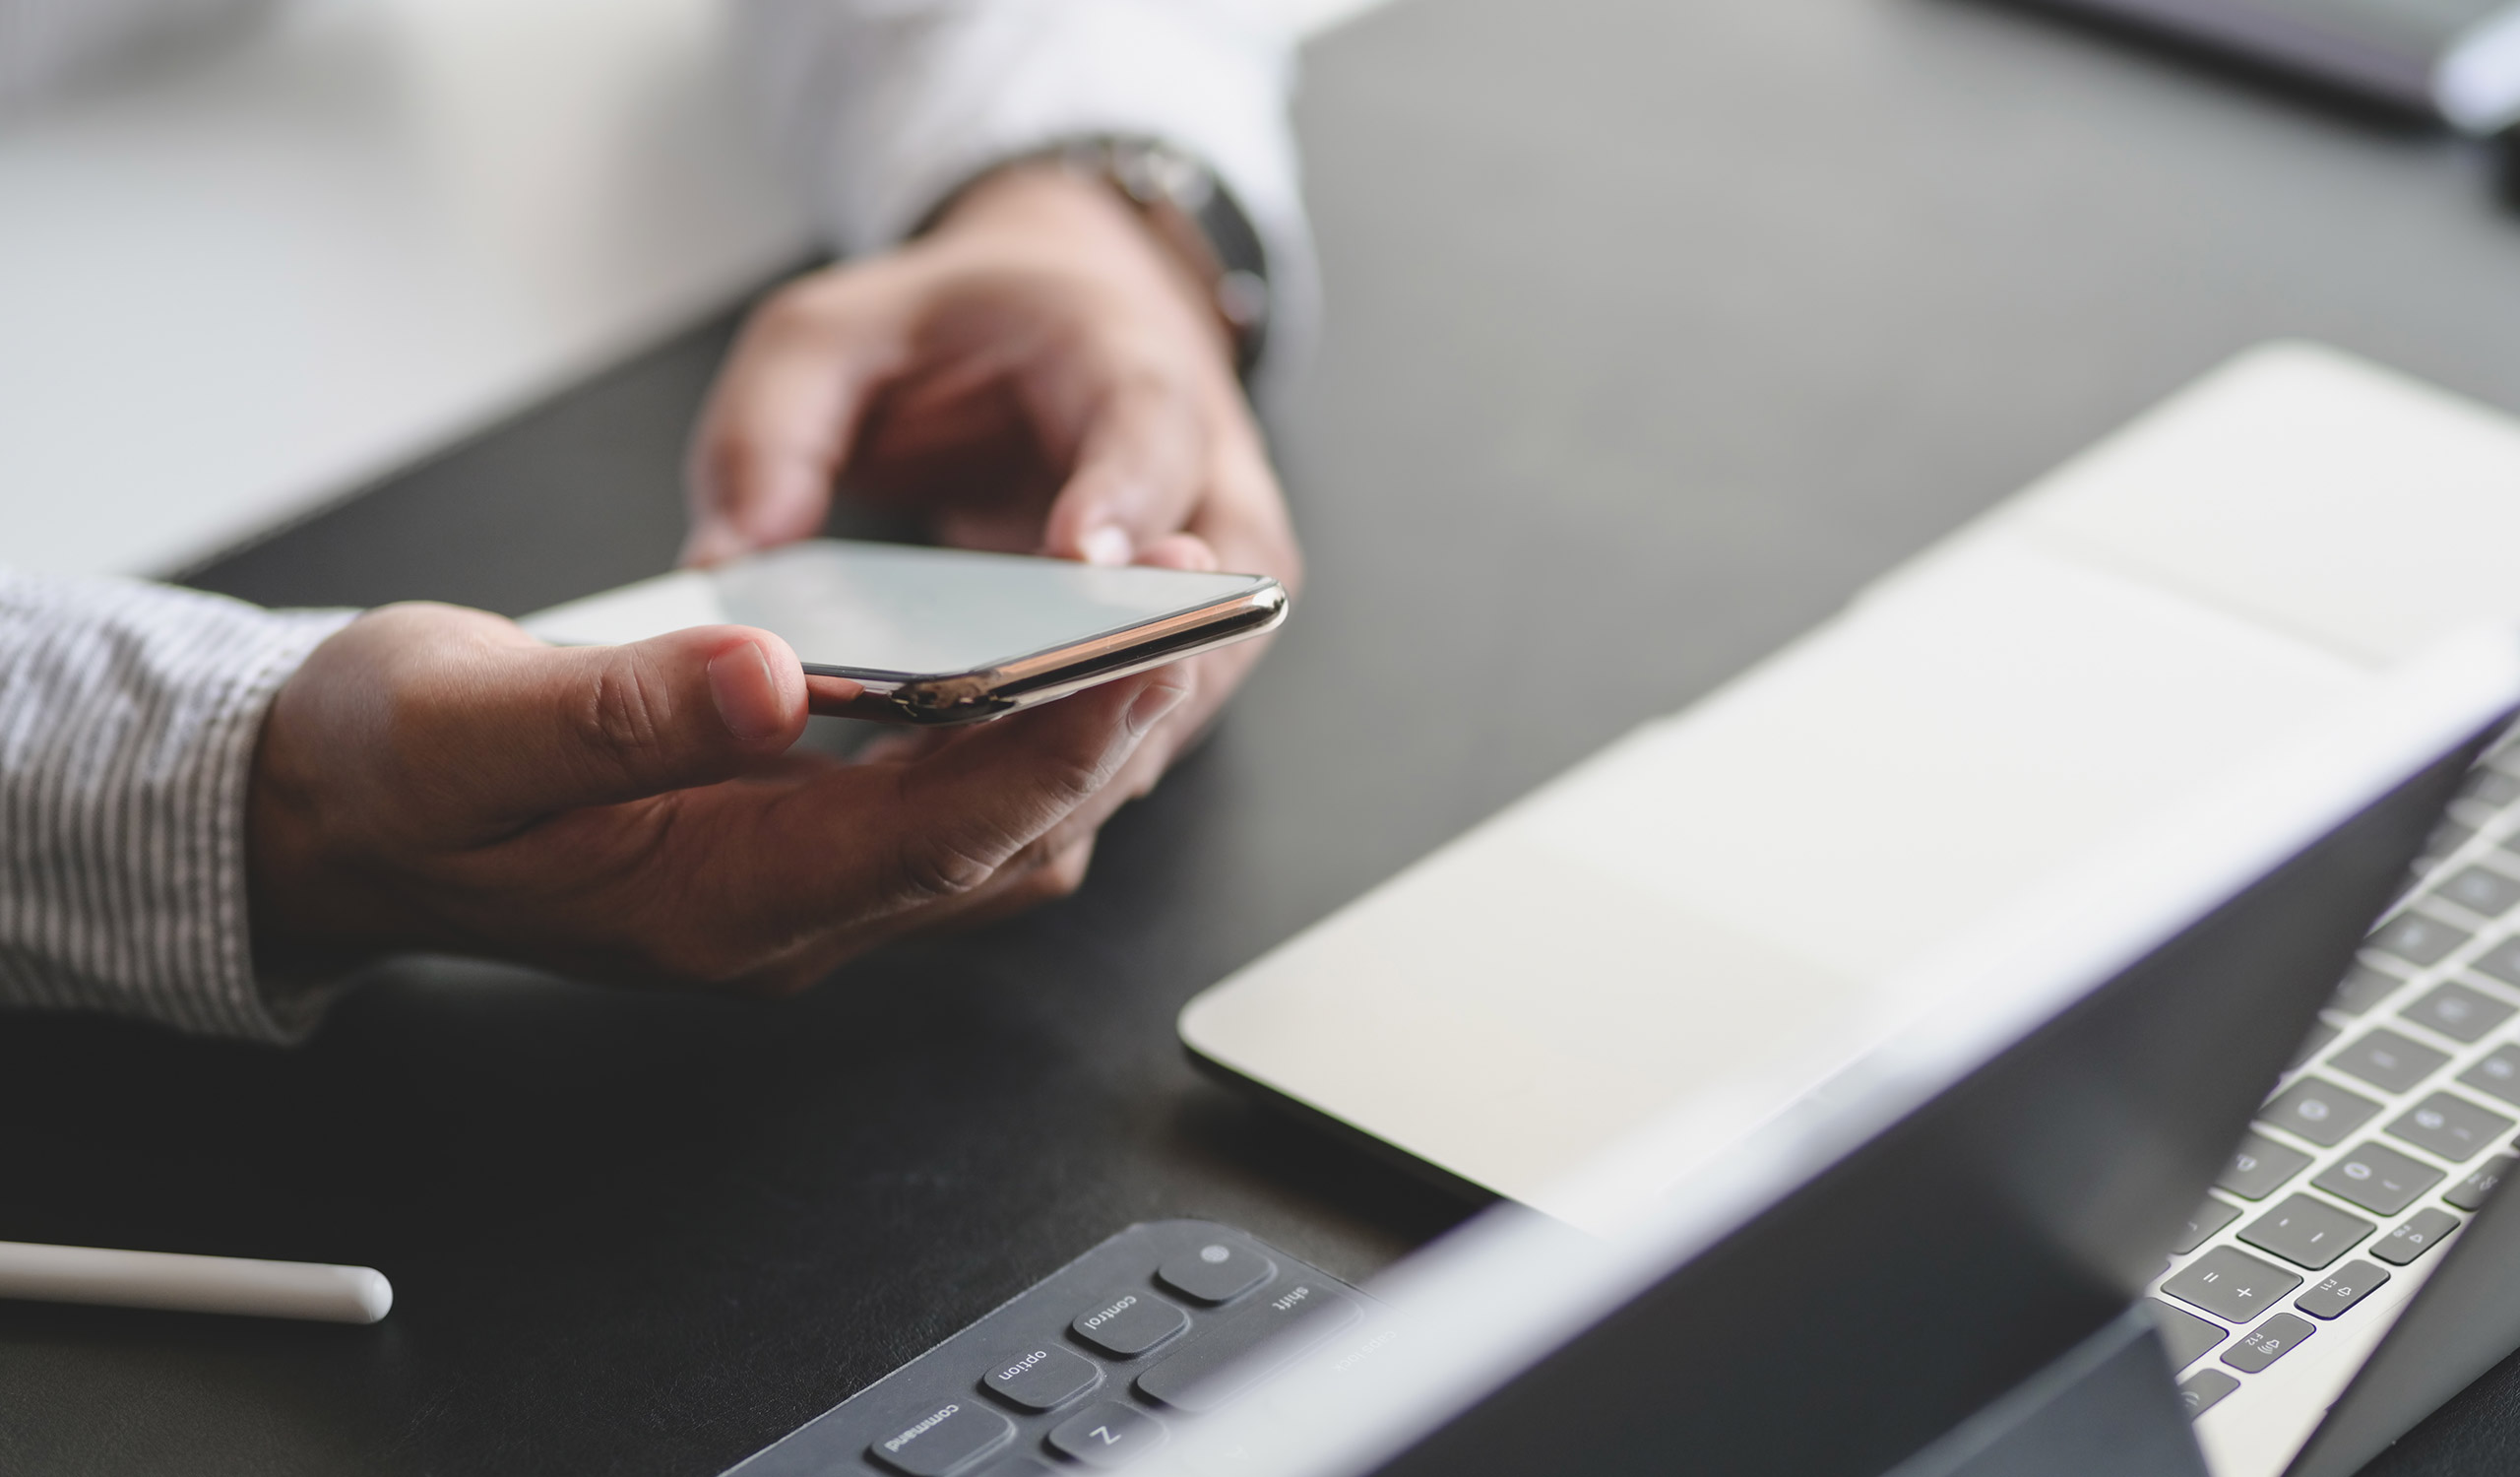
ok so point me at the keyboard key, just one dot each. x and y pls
(2232, 1284)
(942, 1438)
(2203, 1222)
(2307, 1232)
(2259, 1165)
(2417, 939)
(2386, 1060)
(2362, 989)
(2447, 837)
(1129, 1324)
(2471, 1192)
(2449, 1125)
(2480, 890)
(2185, 1337)
(1043, 1379)
(1109, 1435)
(2346, 1286)
(2379, 1178)
(1210, 1371)
(2415, 1237)
(2491, 788)
(2498, 1074)
(2321, 1035)
(2456, 1011)
(2502, 961)
(2319, 1111)
(1218, 1273)
(2268, 1342)
(2203, 1389)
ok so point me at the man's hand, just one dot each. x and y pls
(1039, 373)
(433, 778)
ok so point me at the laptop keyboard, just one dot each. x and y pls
(1094, 1365)
(2394, 1122)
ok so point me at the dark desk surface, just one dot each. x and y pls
(1656, 329)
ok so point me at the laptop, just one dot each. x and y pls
(1926, 1259)
(1707, 921)
(1860, 1281)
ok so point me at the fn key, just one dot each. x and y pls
(2349, 1285)
(2268, 1342)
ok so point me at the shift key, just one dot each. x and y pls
(1214, 1368)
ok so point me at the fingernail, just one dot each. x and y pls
(1154, 703)
(712, 543)
(747, 697)
(1108, 545)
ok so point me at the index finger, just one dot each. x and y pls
(782, 417)
(873, 840)
(1140, 472)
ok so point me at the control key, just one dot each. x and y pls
(1129, 1324)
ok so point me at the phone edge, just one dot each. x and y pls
(941, 698)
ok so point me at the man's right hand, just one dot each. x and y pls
(434, 778)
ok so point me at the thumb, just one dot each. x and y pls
(554, 729)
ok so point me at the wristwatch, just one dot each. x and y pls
(1185, 203)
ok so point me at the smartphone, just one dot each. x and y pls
(937, 635)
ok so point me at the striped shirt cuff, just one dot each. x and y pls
(129, 715)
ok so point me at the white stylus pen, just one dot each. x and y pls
(194, 1284)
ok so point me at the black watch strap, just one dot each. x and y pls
(1184, 202)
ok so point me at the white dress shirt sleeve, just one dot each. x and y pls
(886, 107)
(128, 719)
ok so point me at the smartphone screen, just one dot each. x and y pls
(893, 607)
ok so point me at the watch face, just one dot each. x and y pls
(1154, 174)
